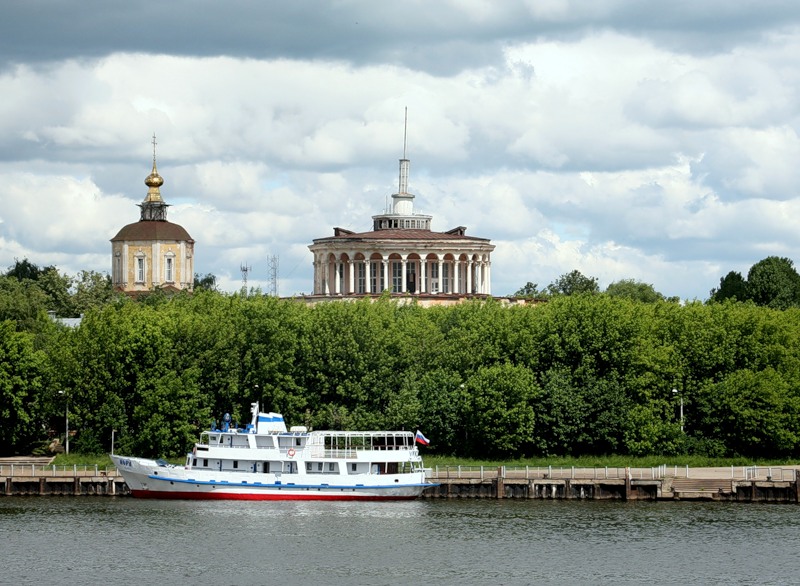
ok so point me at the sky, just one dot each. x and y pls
(654, 141)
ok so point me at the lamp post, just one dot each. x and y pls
(66, 420)
(113, 432)
(675, 392)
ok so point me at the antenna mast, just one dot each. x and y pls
(273, 274)
(245, 269)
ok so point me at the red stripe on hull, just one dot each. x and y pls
(149, 494)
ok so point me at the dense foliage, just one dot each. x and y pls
(580, 374)
(583, 373)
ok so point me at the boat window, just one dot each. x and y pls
(236, 463)
(205, 462)
(331, 467)
(264, 442)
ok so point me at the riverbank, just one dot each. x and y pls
(39, 477)
(735, 484)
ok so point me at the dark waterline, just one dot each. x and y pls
(47, 540)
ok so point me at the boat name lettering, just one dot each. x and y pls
(124, 462)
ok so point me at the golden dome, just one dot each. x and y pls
(154, 180)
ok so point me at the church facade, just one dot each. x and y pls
(152, 253)
(402, 255)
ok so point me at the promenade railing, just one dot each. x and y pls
(51, 470)
(765, 473)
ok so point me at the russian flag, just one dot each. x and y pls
(419, 438)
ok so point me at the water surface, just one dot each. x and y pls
(93, 540)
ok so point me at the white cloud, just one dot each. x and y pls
(652, 145)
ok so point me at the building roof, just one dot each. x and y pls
(153, 230)
(399, 235)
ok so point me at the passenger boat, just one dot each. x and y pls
(265, 461)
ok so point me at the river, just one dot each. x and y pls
(107, 540)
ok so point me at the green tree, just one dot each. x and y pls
(755, 414)
(731, 286)
(499, 412)
(528, 291)
(24, 303)
(573, 283)
(93, 290)
(24, 269)
(21, 378)
(57, 287)
(207, 282)
(774, 282)
(634, 290)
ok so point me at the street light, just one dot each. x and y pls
(675, 392)
(66, 419)
(113, 431)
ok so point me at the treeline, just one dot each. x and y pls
(582, 374)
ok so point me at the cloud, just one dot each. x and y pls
(657, 143)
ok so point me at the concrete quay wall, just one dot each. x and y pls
(65, 486)
(749, 484)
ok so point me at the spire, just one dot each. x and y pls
(404, 162)
(153, 206)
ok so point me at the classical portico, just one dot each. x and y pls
(402, 255)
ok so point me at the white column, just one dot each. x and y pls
(422, 277)
(457, 276)
(351, 277)
(469, 277)
(440, 288)
(403, 287)
(488, 277)
(385, 264)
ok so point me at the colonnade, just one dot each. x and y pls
(405, 274)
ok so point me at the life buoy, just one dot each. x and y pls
(290, 453)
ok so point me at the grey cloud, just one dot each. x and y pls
(441, 38)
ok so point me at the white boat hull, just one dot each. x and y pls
(150, 479)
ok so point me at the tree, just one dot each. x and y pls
(92, 291)
(573, 283)
(20, 385)
(24, 269)
(208, 282)
(22, 302)
(57, 287)
(499, 414)
(635, 290)
(774, 282)
(731, 286)
(756, 414)
(529, 291)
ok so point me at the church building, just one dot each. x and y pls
(152, 253)
(402, 255)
